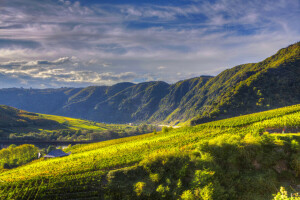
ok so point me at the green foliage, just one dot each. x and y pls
(14, 156)
(166, 129)
(22, 125)
(295, 145)
(154, 131)
(207, 192)
(202, 178)
(139, 188)
(251, 88)
(208, 161)
(187, 195)
(283, 195)
(50, 148)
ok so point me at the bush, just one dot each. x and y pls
(283, 195)
(139, 187)
(187, 195)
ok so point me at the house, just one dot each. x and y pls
(56, 153)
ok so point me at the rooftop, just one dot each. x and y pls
(56, 153)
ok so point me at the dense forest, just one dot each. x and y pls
(243, 89)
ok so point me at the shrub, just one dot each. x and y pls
(295, 145)
(207, 192)
(283, 195)
(139, 187)
(187, 195)
(202, 178)
(163, 190)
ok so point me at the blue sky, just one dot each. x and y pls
(56, 43)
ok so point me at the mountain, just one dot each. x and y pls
(247, 88)
(272, 83)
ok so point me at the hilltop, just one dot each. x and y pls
(18, 124)
(12, 118)
(243, 89)
(235, 158)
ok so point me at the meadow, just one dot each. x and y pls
(235, 158)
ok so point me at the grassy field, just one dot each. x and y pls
(18, 124)
(234, 158)
(77, 124)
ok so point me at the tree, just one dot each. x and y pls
(51, 148)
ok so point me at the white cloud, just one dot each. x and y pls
(41, 70)
(161, 67)
(74, 41)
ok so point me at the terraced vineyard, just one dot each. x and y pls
(228, 159)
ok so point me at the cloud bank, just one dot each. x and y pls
(77, 43)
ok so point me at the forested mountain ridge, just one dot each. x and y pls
(272, 83)
(247, 88)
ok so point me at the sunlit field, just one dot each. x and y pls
(241, 145)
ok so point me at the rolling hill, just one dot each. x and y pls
(247, 157)
(20, 124)
(247, 88)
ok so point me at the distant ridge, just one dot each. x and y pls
(247, 88)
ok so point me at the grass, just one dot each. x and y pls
(77, 124)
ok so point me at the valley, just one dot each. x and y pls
(244, 89)
(22, 127)
(233, 136)
(149, 100)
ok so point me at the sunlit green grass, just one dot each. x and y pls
(103, 157)
(77, 124)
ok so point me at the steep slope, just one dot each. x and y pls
(272, 83)
(82, 104)
(136, 103)
(179, 93)
(247, 88)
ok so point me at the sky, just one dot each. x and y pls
(66, 43)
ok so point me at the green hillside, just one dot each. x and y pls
(13, 118)
(274, 82)
(20, 124)
(244, 89)
(246, 157)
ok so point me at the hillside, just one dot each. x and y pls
(14, 118)
(246, 157)
(272, 83)
(20, 124)
(248, 88)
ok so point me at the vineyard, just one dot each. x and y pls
(234, 158)
(20, 125)
(76, 124)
